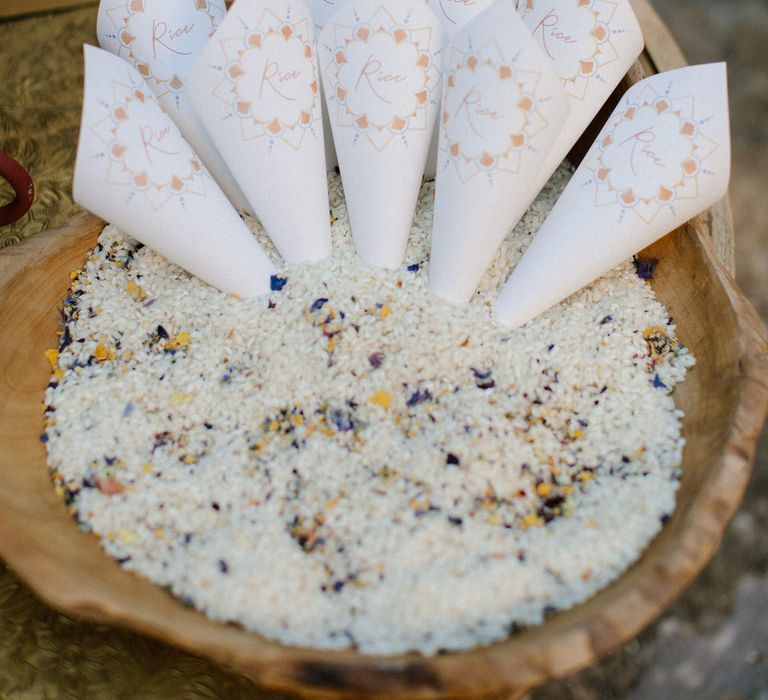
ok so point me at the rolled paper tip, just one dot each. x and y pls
(663, 157)
(135, 170)
(455, 292)
(162, 40)
(257, 90)
(502, 109)
(381, 75)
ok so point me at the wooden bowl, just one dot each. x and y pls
(725, 399)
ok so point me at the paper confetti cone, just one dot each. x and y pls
(592, 44)
(256, 89)
(662, 157)
(380, 69)
(135, 170)
(502, 109)
(453, 15)
(162, 40)
(321, 11)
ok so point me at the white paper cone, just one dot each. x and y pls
(453, 15)
(321, 11)
(502, 109)
(380, 69)
(663, 157)
(592, 44)
(162, 39)
(256, 88)
(135, 170)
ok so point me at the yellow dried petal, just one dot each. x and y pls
(183, 339)
(385, 311)
(135, 291)
(101, 353)
(159, 533)
(126, 536)
(147, 468)
(53, 356)
(182, 397)
(585, 476)
(381, 398)
(531, 520)
(544, 490)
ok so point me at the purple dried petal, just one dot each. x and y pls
(645, 268)
(317, 304)
(418, 397)
(376, 359)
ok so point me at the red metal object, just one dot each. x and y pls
(22, 184)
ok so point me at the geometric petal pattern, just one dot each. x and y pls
(271, 82)
(490, 111)
(383, 75)
(577, 35)
(145, 149)
(652, 154)
(162, 39)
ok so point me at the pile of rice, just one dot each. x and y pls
(352, 462)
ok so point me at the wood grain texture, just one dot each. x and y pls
(725, 398)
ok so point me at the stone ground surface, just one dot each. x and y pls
(713, 643)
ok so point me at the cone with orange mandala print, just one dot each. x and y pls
(135, 170)
(162, 40)
(502, 109)
(380, 68)
(662, 158)
(256, 88)
(591, 45)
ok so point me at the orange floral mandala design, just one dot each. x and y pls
(145, 149)
(651, 156)
(144, 39)
(576, 36)
(271, 83)
(490, 111)
(382, 77)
